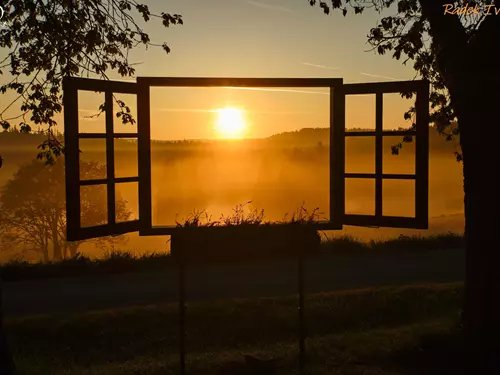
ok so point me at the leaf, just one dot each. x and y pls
(24, 127)
(407, 95)
(376, 34)
(358, 10)
(408, 139)
(403, 6)
(336, 4)
(386, 23)
(5, 124)
(325, 7)
(344, 12)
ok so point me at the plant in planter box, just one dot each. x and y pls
(245, 236)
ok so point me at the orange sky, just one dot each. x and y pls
(190, 113)
(265, 38)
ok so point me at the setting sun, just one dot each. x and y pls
(230, 123)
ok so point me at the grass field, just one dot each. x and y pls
(126, 262)
(277, 174)
(404, 330)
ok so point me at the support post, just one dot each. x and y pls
(182, 303)
(302, 323)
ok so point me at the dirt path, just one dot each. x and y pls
(220, 282)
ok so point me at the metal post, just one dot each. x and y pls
(302, 330)
(182, 306)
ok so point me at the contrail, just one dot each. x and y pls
(269, 6)
(276, 90)
(378, 76)
(285, 113)
(88, 110)
(320, 66)
(198, 110)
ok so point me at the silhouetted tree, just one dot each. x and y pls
(49, 40)
(33, 214)
(457, 53)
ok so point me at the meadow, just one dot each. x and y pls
(277, 174)
(376, 331)
(119, 261)
(391, 330)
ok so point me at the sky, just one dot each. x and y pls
(250, 38)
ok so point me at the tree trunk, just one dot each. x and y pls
(479, 135)
(45, 244)
(45, 252)
(55, 243)
(73, 248)
(57, 250)
(475, 97)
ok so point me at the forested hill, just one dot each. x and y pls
(20, 142)
(316, 136)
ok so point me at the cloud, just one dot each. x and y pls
(269, 6)
(320, 66)
(379, 76)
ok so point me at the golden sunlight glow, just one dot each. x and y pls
(230, 123)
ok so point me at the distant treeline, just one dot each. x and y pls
(321, 136)
(317, 137)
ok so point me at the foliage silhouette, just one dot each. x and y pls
(33, 214)
(457, 54)
(50, 40)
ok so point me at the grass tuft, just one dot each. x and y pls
(350, 245)
(243, 215)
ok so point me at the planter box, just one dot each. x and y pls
(244, 242)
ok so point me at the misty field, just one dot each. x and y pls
(278, 174)
(403, 330)
(371, 331)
